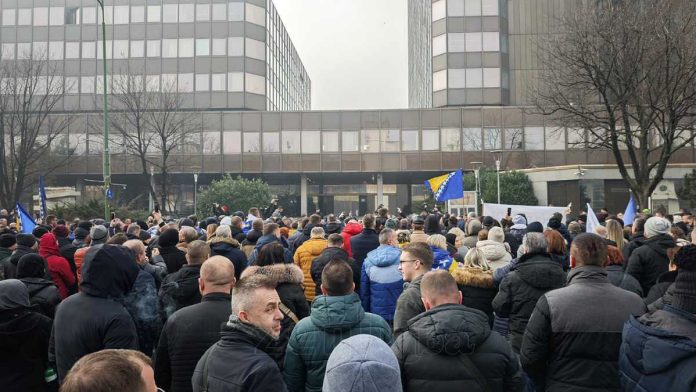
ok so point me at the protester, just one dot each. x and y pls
(636, 240)
(173, 257)
(190, 331)
(567, 347)
(8, 243)
(416, 259)
(557, 248)
(43, 293)
(26, 244)
(365, 242)
(335, 315)
(306, 233)
(111, 370)
(271, 234)
(495, 250)
(616, 274)
(417, 233)
(334, 250)
(223, 244)
(651, 259)
(180, 289)
(252, 237)
(236, 229)
(472, 229)
(516, 233)
(240, 361)
(58, 266)
(98, 235)
(308, 251)
(351, 229)
(475, 281)
(615, 233)
(441, 257)
(381, 282)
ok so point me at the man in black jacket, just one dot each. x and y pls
(637, 239)
(651, 259)
(190, 331)
(91, 320)
(333, 251)
(450, 347)
(365, 242)
(573, 338)
(180, 289)
(240, 362)
(26, 244)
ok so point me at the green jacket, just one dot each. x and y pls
(314, 338)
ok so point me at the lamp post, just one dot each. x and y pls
(106, 165)
(477, 167)
(195, 194)
(498, 155)
(151, 200)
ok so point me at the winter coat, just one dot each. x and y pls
(304, 236)
(188, 333)
(157, 268)
(333, 318)
(350, 230)
(619, 278)
(419, 236)
(570, 345)
(93, 319)
(303, 259)
(229, 248)
(267, 239)
(408, 306)
(67, 250)
(477, 289)
(364, 243)
(662, 292)
(333, 228)
(328, 254)
(7, 269)
(43, 295)
(534, 274)
(381, 283)
(636, 241)
(237, 234)
(515, 236)
(562, 259)
(496, 254)
(20, 251)
(249, 242)
(58, 266)
(180, 289)
(472, 229)
(650, 260)
(143, 305)
(658, 352)
(441, 259)
(173, 257)
(445, 346)
(239, 362)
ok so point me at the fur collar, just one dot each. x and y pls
(230, 241)
(469, 276)
(279, 273)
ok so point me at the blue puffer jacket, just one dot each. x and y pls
(264, 240)
(658, 352)
(441, 259)
(381, 283)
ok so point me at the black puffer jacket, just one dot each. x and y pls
(20, 251)
(650, 260)
(328, 254)
(619, 278)
(363, 243)
(477, 289)
(662, 292)
(180, 289)
(229, 248)
(187, 334)
(445, 346)
(43, 295)
(533, 275)
(635, 242)
(570, 345)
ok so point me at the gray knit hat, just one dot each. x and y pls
(99, 234)
(656, 226)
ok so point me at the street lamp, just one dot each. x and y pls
(477, 167)
(151, 200)
(195, 194)
(498, 155)
(106, 166)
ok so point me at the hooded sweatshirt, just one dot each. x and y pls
(352, 228)
(58, 265)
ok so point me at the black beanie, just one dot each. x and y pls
(7, 240)
(685, 283)
(169, 237)
(27, 240)
(554, 223)
(39, 231)
(31, 265)
(535, 227)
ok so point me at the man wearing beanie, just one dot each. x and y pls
(650, 260)
(659, 348)
(8, 243)
(362, 363)
(26, 243)
(98, 235)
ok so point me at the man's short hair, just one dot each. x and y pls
(270, 228)
(315, 219)
(639, 224)
(385, 236)
(439, 287)
(136, 246)
(133, 229)
(589, 249)
(198, 252)
(335, 240)
(244, 293)
(189, 233)
(217, 271)
(535, 243)
(107, 371)
(337, 278)
(420, 251)
(236, 221)
(369, 221)
(257, 224)
(317, 232)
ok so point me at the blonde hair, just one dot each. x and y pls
(476, 259)
(438, 240)
(615, 233)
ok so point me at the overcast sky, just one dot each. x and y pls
(355, 51)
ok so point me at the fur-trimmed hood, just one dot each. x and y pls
(230, 241)
(279, 273)
(470, 276)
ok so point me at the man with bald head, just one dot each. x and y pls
(190, 331)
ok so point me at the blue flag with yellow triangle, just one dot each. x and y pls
(27, 223)
(446, 187)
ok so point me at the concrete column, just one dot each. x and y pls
(380, 189)
(303, 195)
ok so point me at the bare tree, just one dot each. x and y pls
(622, 76)
(30, 91)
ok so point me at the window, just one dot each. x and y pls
(455, 7)
(191, 144)
(235, 81)
(152, 83)
(472, 7)
(251, 142)
(55, 50)
(491, 42)
(235, 12)
(439, 10)
(456, 78)
(121, 14)
(409, 140)
(219, 46)
(87, 85)
(576, 138)
(100, 49)
(255, 84)
(290, 142)
(369, 140)
(330, 141)
(41, 16)
(255, 49)
(235, 46)
(202, 12)
(153, 48)
(186, 47)
(350, 141)
(390, 140)
(219, 82)
(169, 82)
(121, 49)
(185, 13)
(8, 52)
(72, 85)
(137, 49)
(491, 77)
(170, 13)
(39, 50)
(24, 17)
(231, 142)
(492, 138)
(219, 11)
(489, 7)
(72, 50)
(311, 142)
(137, 14)
(431, 139)
(455, 42)
(440, 80)
(169, 48)
(534, 138)
(555, 138)
(153, 13)
(450, 140)
(8, 17)
(56, 16)
(202, 82)
(473, 42)
(271, 142)
(89, 15)
(89, 50)
(77, 143)
(513, 138)
(203, 47)
(474, 77)
(255, 14)
(471, 139)
(95, 144)
(439, 45)
(185, 83)
(72, 16)
(211, 142)
(23, 50)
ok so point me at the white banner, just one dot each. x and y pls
(533, 213)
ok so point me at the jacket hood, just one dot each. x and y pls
(384, 256)
(450, 329)
(333, 227)
(587, 273)
(475, 277)
(35, 285)
(493, 250)
(13, 295)
(279, 273)
(353, 228)
(659, 243)
(31, 265)
(473, 227)
(538, 270)
(108, 271)
(336, 314)
(223, 242)
(48, 245)
(20, 251)
(266, 239)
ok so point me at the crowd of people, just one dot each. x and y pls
(259, 301)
